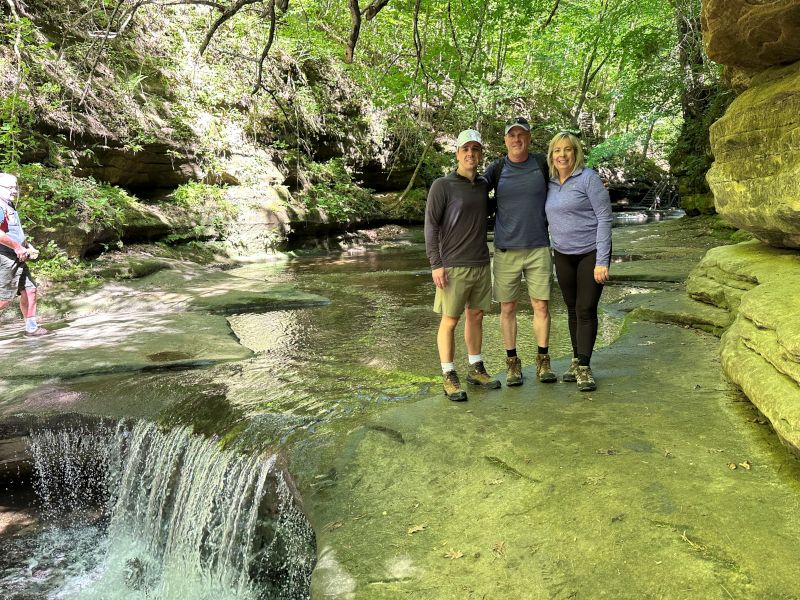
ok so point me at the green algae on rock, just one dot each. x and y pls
(757, 158)
(760, 352)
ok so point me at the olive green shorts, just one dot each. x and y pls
(467, 287)
(508, 267)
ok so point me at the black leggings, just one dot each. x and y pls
(581, 293)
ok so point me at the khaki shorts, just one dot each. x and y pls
(14, 277)
(467, 287)
(508, 267)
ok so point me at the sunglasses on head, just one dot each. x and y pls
(517, 121)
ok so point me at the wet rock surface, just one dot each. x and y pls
(662, 476)
(666, 476)
(174, 318)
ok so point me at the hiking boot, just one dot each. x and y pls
(543, 370)
(38, 332)
(452, 387)
(513, 371)
(477, 375)
(585, 379)
(571, 372)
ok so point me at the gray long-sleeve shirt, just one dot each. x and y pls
(579, 215)
(456, 222)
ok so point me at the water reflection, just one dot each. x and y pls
(374, 344)
(639, 217)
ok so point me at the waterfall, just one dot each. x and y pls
(183, 519)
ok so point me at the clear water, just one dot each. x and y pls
(181, 519)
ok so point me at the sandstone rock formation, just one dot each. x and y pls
(756, 147)
(757, 158)
(752, 35)
(760, 351)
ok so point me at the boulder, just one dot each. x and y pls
(760, 351)
(751, 35)
(756, 146)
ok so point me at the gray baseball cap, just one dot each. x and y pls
(469, 135)
(517, 122)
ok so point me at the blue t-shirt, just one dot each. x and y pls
(520, 195)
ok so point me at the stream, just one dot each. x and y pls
(127, 509)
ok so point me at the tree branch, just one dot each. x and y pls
(551, 15)
(355, 18)
(100, 50)
(230, 12)
(373, 9)
(418, 41)
(267, 46)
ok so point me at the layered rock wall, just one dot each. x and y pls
(754, 179)
(756, 144)
(760, 351)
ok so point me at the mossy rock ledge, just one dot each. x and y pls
(757, 158)
(760, 351)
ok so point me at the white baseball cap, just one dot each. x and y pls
(468, 135)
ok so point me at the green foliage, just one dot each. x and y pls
(333, 192)
(53, 198)
(691, 156)
(54, 265)
(412, 208)
(209, 204)
(613, 148)
(194, 193)
(15, 121)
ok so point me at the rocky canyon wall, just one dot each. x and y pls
(755, 182)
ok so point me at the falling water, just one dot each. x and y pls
(182, 519)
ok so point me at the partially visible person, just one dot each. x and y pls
(579, 215)
(15, 277)
(521, 246)
(455, 241)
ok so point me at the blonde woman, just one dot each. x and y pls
(579, 217)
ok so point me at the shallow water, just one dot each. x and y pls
(373, 345)
(316, 372)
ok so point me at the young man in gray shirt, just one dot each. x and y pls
(455, 241)
(521, 246)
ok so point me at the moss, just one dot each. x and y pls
(698, 204)
(691, 157)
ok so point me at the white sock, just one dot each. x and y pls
(448, 367)
(473, 358)
(31, 325)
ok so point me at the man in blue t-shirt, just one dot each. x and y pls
(521, 246)
(15, 278)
